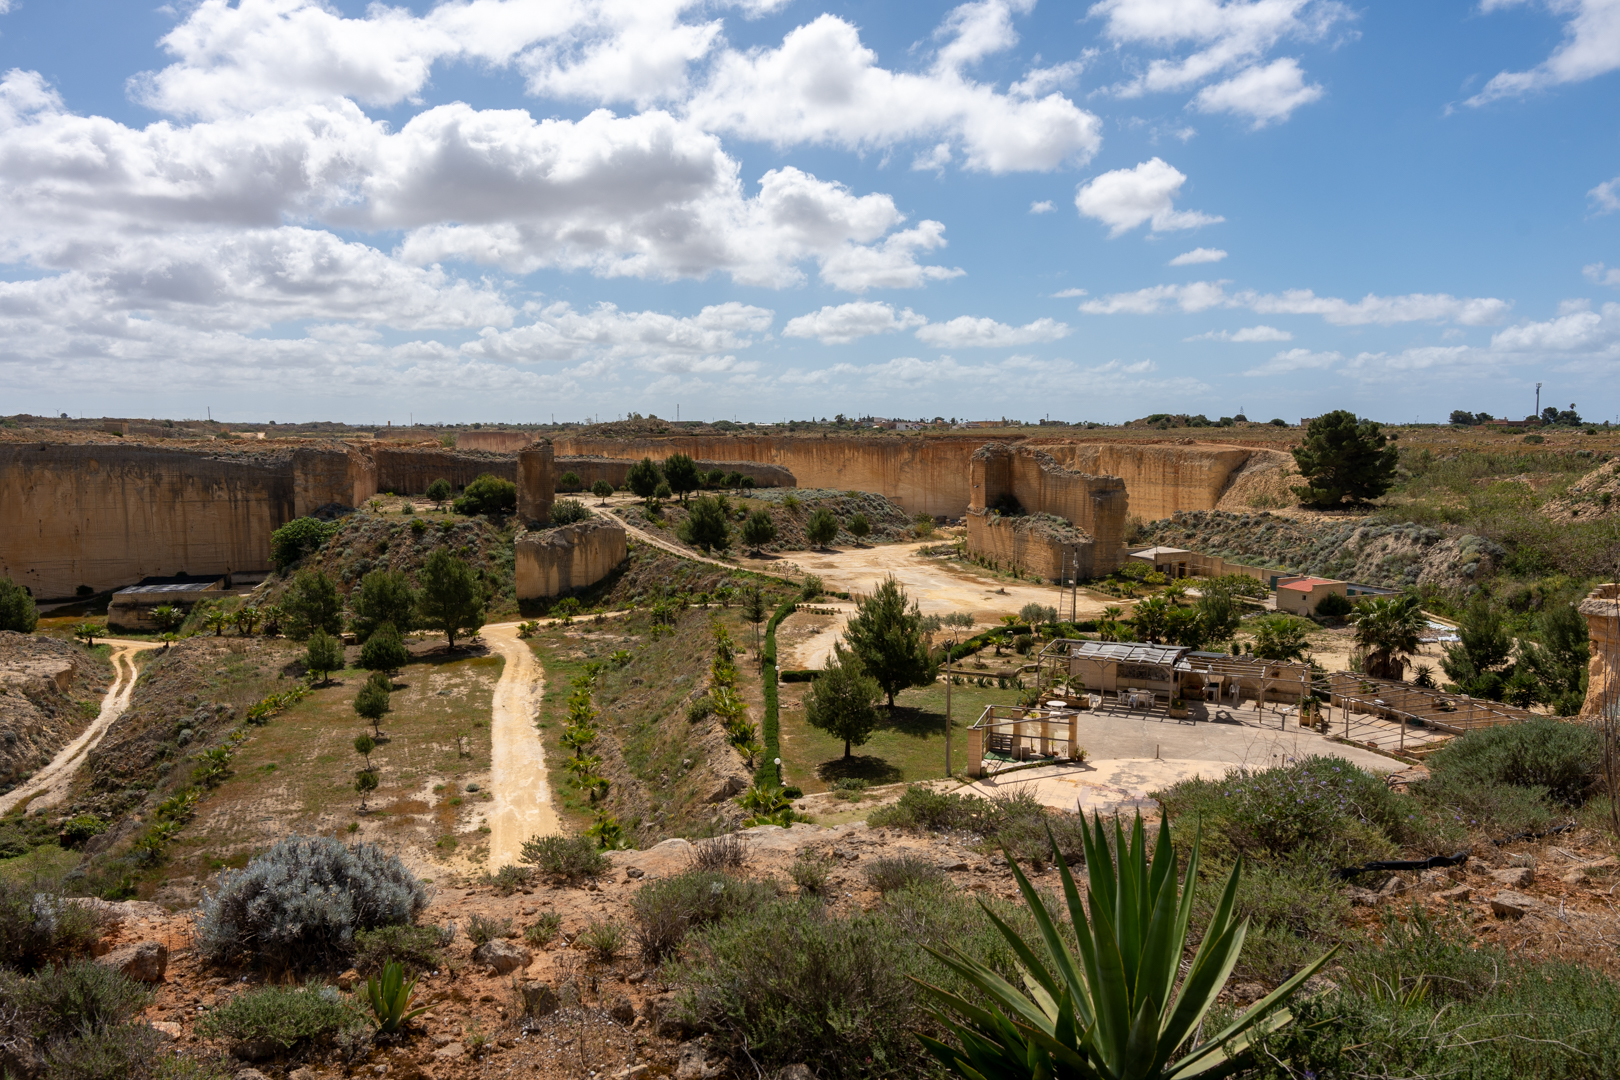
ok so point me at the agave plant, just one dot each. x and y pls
(390, 997)
(1114, 1012)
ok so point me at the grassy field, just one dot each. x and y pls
(908, 746)
(296, 773)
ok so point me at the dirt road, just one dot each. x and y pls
(522, 806)
(49, 786)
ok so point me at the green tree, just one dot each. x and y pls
(247, 618)
(365, 779)
(299, 537)
(1279, 637)
(17, 611)
(734, 480)
(384, 596)
(438, 491)
(886, 635)
(384, 650)
(487, 494)
(822, 527)
(1479, 664)
(568, 511)
(706, 526)
(1557, 664)
(842, 700)
(644, 478)
(88, 632)
(323, 655)
(312, 604)
(166, 617)
(859, 527)
(372, 700)
(1344, 458)
(569, 481)
(1151, 620)
(714, 478)
(602, 489)
(753, 608)
(1387, 630)
(1219, 613)
(681, 474)
(759, 529)
(452, 599)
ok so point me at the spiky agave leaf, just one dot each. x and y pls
(1109, 1014)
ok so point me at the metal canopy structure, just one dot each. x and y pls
(1453, 713)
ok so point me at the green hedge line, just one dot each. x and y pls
(772, 725)
(798, 675)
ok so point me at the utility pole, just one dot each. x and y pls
(948, 650)
(1538, 400)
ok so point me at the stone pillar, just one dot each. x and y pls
(535, 484)
(1602, 610)
(1074, 735)
(1046, 735)
(975, 751)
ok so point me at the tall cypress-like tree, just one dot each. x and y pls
(886, 636)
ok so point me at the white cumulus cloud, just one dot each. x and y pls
(1125, 198)
(559, 333)
(1606, 196)
(1591, 47)
(1198, 255)
(1044, 206)
(1262, 94)
(1296, 360)
(1246, 334)
(1598, 274)
(840, 324)
(1371, 309)
(968, 332)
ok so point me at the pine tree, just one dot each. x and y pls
(886, 635)
(841, 700)
(452, 599)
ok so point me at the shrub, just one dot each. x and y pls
(60, 1001)
(299, 905)
(1334, 606)
(821, 527)
(545, 929)
(41, 926)
(487, 494)
(665, 911)
(414, 947)
(568, 511)
(17, 611)
(811, 872)
(700, 709)
(81, 827)
(571, 857)
(1323, 808)
(901, 872)
(727, 852)
(281, 1016)
(299, 537)
(602, 940)
(1565, 759)
(115, 1052)
(509, 879)
(1295, 912)
(384, 650)
(482, 929)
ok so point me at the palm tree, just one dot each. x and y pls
(1387, 630)
(216, 621)
(1108, 625)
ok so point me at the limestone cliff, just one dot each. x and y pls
(1602, 610)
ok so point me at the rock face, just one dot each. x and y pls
(38, 714)
(145, 962)
(1066, 522)
(1602, 610)
(552, 562)
(503, 956)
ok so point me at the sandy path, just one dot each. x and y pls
(522, 806)
(49, 786)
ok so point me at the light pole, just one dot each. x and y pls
(949, 649)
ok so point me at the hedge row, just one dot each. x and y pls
(772, 725)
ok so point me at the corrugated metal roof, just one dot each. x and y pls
(1128, 652)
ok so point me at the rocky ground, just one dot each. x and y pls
(553, 1012)
(50, 691)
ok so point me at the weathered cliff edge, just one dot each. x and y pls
(552, 562)
(930, 475)
(1039, 495)
(1602, 610)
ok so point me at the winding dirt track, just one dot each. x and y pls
(49, 786)
(522, 806)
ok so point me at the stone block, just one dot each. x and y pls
(503, 956)
(1513, 905)
(1517, 877)
(144, 962)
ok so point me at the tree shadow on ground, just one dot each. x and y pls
(918, 723)
(868, 767)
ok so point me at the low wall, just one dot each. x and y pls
(1602, 610)
(562, 560)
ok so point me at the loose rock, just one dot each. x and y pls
(502, 956)
(143, 962)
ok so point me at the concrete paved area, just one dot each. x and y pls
(1131, 755)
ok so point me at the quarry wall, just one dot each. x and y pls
(105, 516)
(1027, 480)
(1602, 610)
(930, 475)
(562, 560)
(499, 442)
(409, 470)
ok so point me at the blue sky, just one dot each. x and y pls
(502, 210)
